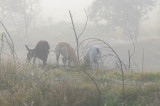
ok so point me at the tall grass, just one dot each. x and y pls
(25, 84)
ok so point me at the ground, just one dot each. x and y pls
(28, 85)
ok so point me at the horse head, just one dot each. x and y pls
(30, 53)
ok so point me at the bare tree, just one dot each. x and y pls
(9, 41)
(30, 10)
(23, 11)
(77, 37)
(131, 53)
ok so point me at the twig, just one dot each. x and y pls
(130, 55)
(7, 33)
(1, 50)
(76, 37)
(142, 69)
(11, 45)
(84, 25)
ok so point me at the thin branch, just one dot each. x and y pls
(30, 11)
(99, 100)
(130, 55)
(133, 45)
(99, 92)
(129, 59)
(10, 46)
(84, 25)
(12, 43)
(7, 33)
(2, 44)
(142, 70)
(143, 61)
(3, 40)
(73, 24)
(76, 37)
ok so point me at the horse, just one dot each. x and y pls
(40, 51)
(67, 52)
(93, 57)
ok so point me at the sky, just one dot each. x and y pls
(58, 9)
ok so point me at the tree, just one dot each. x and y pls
(123, 14)
(23, 10)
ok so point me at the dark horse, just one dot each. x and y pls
(41, 51)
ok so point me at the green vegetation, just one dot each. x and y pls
(26, 84)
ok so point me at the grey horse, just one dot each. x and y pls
(93, 56)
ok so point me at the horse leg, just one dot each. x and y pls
(57, 57)
(69, 62)
(92, 64)
(98, 62)
(64, 61)
(91, 59)
(44, 62)
(97, 66)
(34, 60)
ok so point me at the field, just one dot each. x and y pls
(28, 85)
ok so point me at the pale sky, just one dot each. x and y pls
(58, 9)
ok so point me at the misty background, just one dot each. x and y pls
(29, 21)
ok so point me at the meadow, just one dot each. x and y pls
(52, 85)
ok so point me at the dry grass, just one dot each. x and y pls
(51, 86)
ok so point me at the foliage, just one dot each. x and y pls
(21, 12)
(124, 14)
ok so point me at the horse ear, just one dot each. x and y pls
(27, 48)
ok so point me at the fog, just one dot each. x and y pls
(29, 22)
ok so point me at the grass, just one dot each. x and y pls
(25, 84)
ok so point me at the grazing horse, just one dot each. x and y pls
(41, 51)
(67, 52)
(93, 56)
